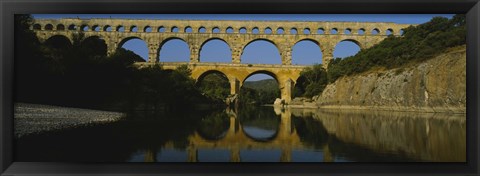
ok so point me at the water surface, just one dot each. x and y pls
(257, 134)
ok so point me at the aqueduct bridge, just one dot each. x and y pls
(236, 34)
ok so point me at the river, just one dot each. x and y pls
(256, 134)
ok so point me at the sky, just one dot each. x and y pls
(259, 52)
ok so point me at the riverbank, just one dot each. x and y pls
(34, 118)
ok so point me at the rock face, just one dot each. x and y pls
(436, 85)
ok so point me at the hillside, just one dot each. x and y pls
(262, 85)
(435, 85)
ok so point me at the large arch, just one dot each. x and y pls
(259, 48)
(96, 45)
(174, 49)
(136, 45)
(217, 45)
(346, 48)
(269, 73)
(307, 52)
(202, 76)
(58, 41)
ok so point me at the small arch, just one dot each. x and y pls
(361, 31)
(348, 31)
(133, 28)
(147, 29)
(60, 27)
(49, 27)
(174, 29)
(72, 27)
(375, 31)
(401, 32)
(96, 28)
(84, 28)
(202, 30)
(320, 31)
(306, 31)
(107, 28)
(280, 30)
(161, 29)
(242, 30)
(267, 30)
(37, 27)
(334, 31)
(121, 28)
(188, 29)
(229, 30)
(389, 31)
(293, 31)
(255, 30)
(216, 30)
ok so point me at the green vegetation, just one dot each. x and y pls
(311, 82)
(418, 44)
(80, 74)
(215, 86)
(259, 92)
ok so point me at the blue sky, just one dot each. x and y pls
(304, 53)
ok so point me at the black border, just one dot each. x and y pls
(10, 7)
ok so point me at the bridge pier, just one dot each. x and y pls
(234, 85)
(192, 154)
(286, 89)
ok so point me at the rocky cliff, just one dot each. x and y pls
(436, 85)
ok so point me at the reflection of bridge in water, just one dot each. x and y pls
(286, 139)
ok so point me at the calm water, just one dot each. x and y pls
(257, 135)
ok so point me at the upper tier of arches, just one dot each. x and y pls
(218, 26)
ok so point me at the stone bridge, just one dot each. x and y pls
(236, 34)
(285, 75)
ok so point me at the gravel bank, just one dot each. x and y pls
(34, 118)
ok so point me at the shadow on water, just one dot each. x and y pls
(256, 134)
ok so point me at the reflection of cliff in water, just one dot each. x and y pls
(420, 136)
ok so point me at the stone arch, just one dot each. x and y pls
(375, 31)
(163, 42)
(48, 27)
(37, 27)
(200, 77)
(85, 28)
(188, 29)
(229, 30)
(147, 29)
(334, 52)
(354, 41)
(210, 39)
(320, 49)
(99, 48)
(269, 73)
(96, 28)
(63, 40)
(261, 39)
(280, 30)
(60, 27)
(125, 40)
(72, 27)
